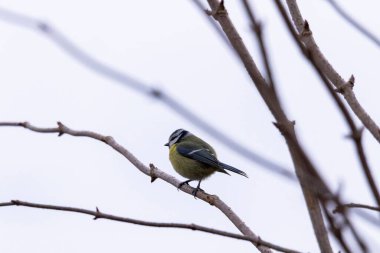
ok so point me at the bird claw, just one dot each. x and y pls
(195, 191)
(182, 183)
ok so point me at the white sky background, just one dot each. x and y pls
(170, 45)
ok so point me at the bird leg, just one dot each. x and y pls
(194, 192)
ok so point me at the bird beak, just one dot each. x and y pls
(166, 144)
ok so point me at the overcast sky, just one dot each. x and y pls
(170, 45)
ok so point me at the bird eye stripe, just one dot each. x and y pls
(176, 134)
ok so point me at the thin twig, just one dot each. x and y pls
(341, 208)
(216, 28)
(256, 27)
(336, 230)
(344, 87)
(150, 171)
(354, 23)
(100, 215)
(101, 68)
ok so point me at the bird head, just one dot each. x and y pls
(177, 136)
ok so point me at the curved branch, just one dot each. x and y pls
(340, 209)
(345, 88)
(71, 49)
(100, 215)
(151, 171)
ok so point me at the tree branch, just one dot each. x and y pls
(341, 208)
(151, 171)
(100, 215)
(356, 133)
(336, 230)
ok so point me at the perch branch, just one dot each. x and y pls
(150, 171)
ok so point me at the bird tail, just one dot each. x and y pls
(230, 168)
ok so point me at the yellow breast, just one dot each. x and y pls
(188, 168)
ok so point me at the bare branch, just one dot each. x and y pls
(336, 230)
(356, 133)
(328, 70)
(341, 208)
(99, 67)
(354, 23)
(149, 171)
(100, 215)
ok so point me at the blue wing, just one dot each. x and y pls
(204, 155)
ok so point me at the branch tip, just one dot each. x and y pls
(156, 93)
(283, 126)
(358, 134)
(348, 85)
(306, 29)
(152, 174)
(343, 207)
(258, 243)
(107, 139)
(339, 209)
(23, 124)
(342, 88)
(211, 199)
(43, 27)
(60, 128)
(258, 27)
(352, 80)
(219, 10)
(97, 214)
(15, 202)
(193, 227)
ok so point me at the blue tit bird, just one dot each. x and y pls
(194, 158)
